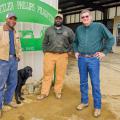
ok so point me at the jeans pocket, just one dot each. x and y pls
(97, 58)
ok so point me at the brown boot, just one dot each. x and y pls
(97, 112)
(42, 96)
(81, 106)
(12, 105)
(58, 95)
(1, 114)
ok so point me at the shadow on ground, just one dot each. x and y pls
(54, 109)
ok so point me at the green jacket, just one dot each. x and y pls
(58, 41)
(93, 38)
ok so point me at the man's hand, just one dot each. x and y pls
(70, 53)
(18, 59)
(77, 55)
(99, 55)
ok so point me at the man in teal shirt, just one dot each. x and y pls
(92, 42)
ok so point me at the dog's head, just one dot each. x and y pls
(28, 71)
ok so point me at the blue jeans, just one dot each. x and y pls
(8, 77)
(91, 66)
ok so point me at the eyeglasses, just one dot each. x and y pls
(85, 17)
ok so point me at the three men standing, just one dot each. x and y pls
(10, 52)
(89, 49)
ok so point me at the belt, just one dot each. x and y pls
(57, 52)
(87, 55)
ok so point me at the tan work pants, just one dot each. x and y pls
(61, 61)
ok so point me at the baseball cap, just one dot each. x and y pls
(59, 15)
(11, 14)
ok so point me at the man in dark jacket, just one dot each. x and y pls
(56, 46)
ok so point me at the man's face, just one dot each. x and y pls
(86, 18)
(11, 21)
(58, 21)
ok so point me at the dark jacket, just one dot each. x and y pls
(58, 41)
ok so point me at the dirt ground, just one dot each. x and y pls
(65, 109)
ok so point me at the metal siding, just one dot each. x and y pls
(34, 59)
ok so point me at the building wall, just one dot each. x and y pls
(35, 58)
(31, 58)
(96, 16)
(113, 15)
(53, 3)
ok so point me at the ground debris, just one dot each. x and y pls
(34, 118)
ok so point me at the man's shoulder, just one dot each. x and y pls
(50, 28)
(98, 24)
(67, 28)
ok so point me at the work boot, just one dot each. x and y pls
(42, 96)
(11, 104)
(58, 95)
(81, 106)
(97, 112)
(1, 113)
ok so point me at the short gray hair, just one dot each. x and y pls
(85, 11)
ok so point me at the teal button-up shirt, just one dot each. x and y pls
(93, 38)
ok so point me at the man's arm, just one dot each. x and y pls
(109, 39)
(1, 30)
(75, 45)
(109, 42)
(71, 39)
(45, 41)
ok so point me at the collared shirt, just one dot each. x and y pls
(58, 40)
(12, 46)
(93, 38)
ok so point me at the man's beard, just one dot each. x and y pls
(58, 24)
(11, 27)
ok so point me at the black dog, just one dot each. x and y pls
(23, 75)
